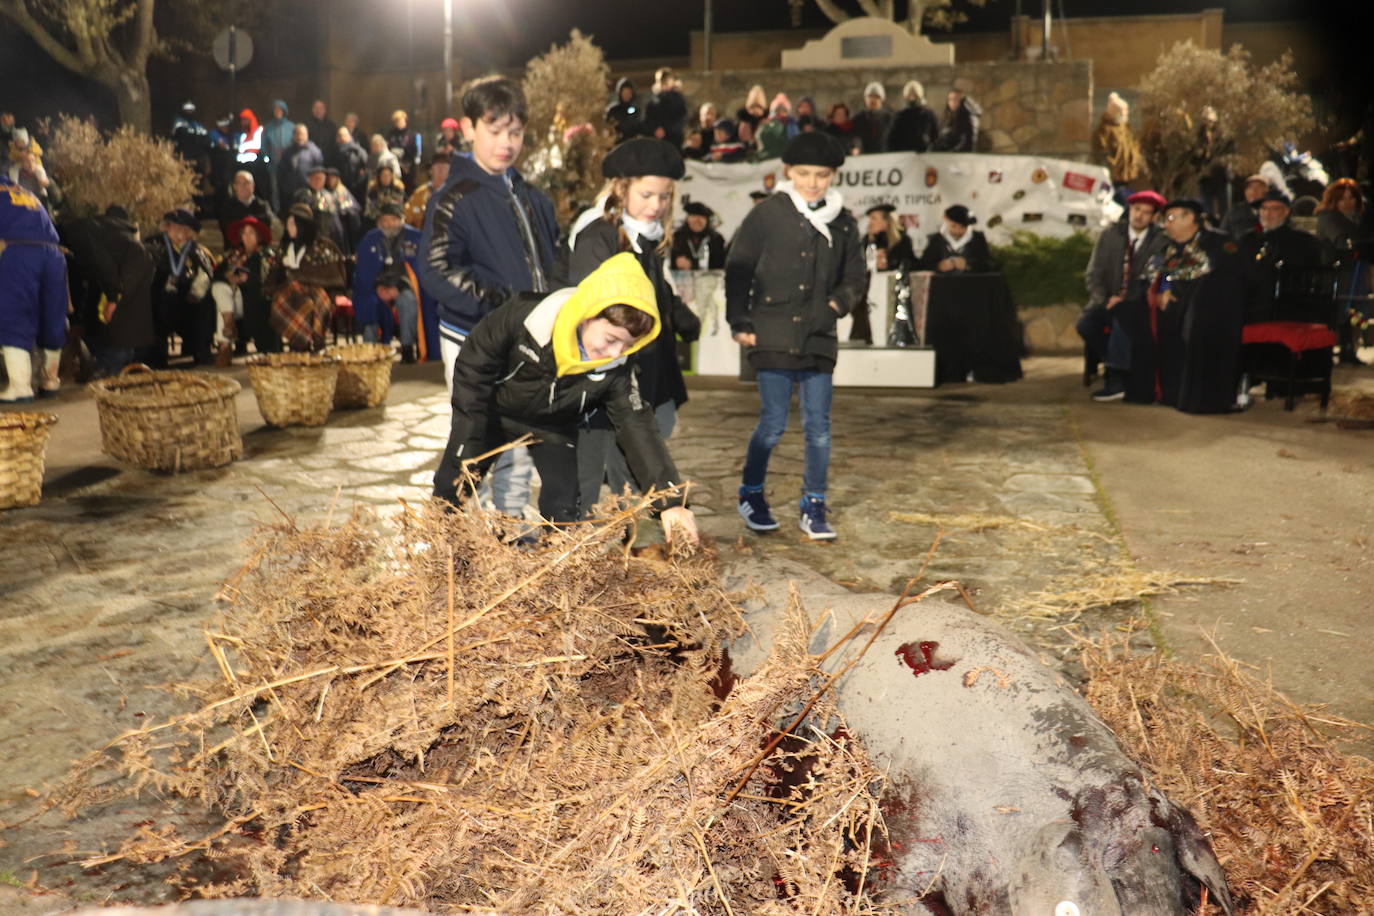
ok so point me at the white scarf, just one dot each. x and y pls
(820, 217)
(956, 245)
(638, 229)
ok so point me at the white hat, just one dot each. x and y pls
(875, 88)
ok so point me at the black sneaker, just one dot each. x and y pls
(1110, 393)
(813, 521)
(753, 508)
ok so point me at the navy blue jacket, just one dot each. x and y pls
(473, 252)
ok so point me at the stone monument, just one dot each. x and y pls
(867, 42)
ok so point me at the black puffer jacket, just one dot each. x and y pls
(507, 368)
(780, 277)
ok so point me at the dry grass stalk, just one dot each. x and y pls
(1352, 404)
(558, 748)
(1117, 584)
(1290, 816)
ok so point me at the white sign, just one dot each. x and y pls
(1055, 197)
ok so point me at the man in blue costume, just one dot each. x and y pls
(33, 292)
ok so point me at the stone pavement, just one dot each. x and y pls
(106, 586)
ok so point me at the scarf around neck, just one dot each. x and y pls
(821, 216)
(955, 245)
(638, 229)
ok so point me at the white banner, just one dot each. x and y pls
(1054, 197)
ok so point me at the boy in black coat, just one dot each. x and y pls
(537, 364)
(794, 268)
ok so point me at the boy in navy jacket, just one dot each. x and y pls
(487, 235)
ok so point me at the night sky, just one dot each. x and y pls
(505, 33)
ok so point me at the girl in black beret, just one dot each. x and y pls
(696, 244)
(634, 213)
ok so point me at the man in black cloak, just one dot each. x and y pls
(1185, 332)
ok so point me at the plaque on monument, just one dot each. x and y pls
(862, 46)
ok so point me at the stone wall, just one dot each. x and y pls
(1040, 108)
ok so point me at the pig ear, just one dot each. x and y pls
(1196, 856)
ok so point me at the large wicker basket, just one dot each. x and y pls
(294, 389)
(169, 421)
(23, 441)
(364, 374)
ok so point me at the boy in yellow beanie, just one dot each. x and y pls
(539, 363)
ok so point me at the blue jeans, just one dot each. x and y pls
(775, 401)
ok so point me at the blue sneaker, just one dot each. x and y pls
(754, 509)
(813, 519)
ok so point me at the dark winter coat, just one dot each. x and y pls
(626, 117)
(1261, 254)
(507, 369)
(959, 129)
(660, 376)
(324, 133)
(687, 244)
(666, 110)
(975, 252)
(296, 164)
(108, 260)
(351, 161)
(780, 277)
(913, 130)
(474, 254)
(233, 210)
(871, 126)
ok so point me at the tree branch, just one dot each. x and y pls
(143, 35)
(19, 12)
(832, 11)
(870, 8)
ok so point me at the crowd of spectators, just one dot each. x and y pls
(760, 129)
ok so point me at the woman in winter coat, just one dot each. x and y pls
(310, 273)
(641, 176)
(386, 188)
(250, 239)
(537, 365)
(956, 248)
(885, 233)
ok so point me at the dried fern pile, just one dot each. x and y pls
(435, 719)
(1291, 817)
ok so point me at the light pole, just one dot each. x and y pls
(448, 57)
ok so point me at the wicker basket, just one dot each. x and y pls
(294, 389)
(169, 421)
(364, 374)
(23, 441)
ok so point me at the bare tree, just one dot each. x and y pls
(108, 41)
(918, 14)
(111, 41)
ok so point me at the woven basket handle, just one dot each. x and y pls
(136, 368)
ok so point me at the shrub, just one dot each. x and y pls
(567, 134)
(138, 172)
(1042, 270)
(1257, 110)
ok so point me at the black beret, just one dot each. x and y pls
(182, 217)
(1276, 195)
(317, 168)
(886, 209)
(301, 211)
(1185, 203)
(959, 214)
(643, 156)
(814, 149)
(391, 208)
(759, 195)
(693, 208)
